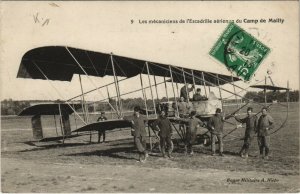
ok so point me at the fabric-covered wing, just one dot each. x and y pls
(105, 125)
(61, 63)
(268, 87)
(49, 109)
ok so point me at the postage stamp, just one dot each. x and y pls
(239, 51)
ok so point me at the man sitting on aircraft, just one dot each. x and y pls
(185, 91)
(251, 122)
(183, 108)
(198, 97)
(100, 133)
(164, 126)
(215, 125)
(139, 131)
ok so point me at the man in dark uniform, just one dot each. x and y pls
(191, 132)
(101, 132)
(251, 123)
(215, 125)
(185, 91)
(265, 123)
(139, 131)
(164, 126)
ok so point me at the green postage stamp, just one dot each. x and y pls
(239, 51)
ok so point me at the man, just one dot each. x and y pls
(163, 125)
(215, 125)
(183, 108)
(265, 124)
(198, 97)
(138, 127)
(101, 132)
(191, 132)
(251, 122)
(185, 91)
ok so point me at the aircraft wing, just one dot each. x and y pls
(49, 109)
(61, 63)
(105, 125)
(268, 87)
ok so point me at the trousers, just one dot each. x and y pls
(215, 137)
(264, 144)
(246, 145)
(166, 142)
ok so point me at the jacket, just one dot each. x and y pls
(216, 122)
(138, 124)
(265, 123)
(251, 123)
(164, 125)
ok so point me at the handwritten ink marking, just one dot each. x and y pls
(35, 18)
(40, 20)
(46, 22)
(53, 4)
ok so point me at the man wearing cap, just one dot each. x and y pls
(251, 123)
(265, 124)
(215, 125)
(191, 132)
(198, 97)
(101, 132)
(164, 126)
(139, 131)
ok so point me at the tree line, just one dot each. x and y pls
(13, 107)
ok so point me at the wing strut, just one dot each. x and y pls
(193, 80)
(151, 88)
(204, 83)
(166, 88)
(83, 105)
(157, 98)
(146, 107)
(186, 88)
(116, 85)
(173, 88)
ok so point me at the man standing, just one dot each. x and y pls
(191, 132)
(101, 132)
(215, 125)
(138, 127)
(163, 125)
(251, 123)
(185, 91)
(265, 124)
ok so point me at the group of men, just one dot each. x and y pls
(215, 125)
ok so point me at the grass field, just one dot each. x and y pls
(78, 166)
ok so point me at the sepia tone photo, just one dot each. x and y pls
(149, 97)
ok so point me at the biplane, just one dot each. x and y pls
(60, 63)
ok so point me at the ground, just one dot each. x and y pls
(78, 166)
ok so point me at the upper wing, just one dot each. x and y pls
(60, 63)
(49, 109)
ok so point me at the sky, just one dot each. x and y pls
(107, 27)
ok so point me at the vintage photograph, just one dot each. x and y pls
(149, 97)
